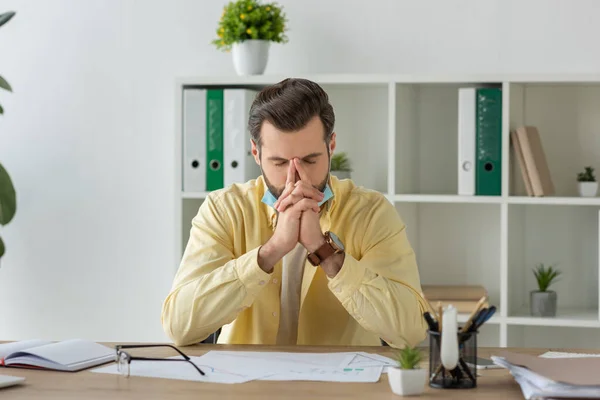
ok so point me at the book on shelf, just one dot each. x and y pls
(463, 297)
(529, 152)
(68, 355)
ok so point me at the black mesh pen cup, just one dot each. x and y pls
(464, 375)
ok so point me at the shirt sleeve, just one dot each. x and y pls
(381, 290)
(211, 287)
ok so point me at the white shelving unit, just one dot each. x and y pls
(400, 132)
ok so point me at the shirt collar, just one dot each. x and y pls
(269, 199)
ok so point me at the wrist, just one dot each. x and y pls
(268, 255)
(315, 244)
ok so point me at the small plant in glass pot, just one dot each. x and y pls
(587, 185)
(543, 301)
(341, 166)
(408, 378)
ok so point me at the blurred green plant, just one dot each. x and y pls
(8, 201)
(340, 162)
(545, 276)
(409, 357)
(587, 175)
(250, 19)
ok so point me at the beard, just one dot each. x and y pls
(275, 191)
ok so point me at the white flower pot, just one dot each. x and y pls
(588, 189)
(407, 382)
(250, 56)
(341, 174)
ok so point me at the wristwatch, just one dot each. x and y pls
(332, 245)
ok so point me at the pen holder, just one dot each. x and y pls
(464, 375)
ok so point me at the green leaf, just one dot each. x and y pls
(4, 18)
(1, 110)
(8, 198)
(4, 84)
(1, 247)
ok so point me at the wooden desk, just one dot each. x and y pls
(493, 384)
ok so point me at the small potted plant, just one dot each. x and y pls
(543, 301)
(247, 28)
(408, 378)
(340, 165)
(588, 187)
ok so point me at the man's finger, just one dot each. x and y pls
(301, 172)
(291, 173)
(289, 188)
(307, 204)
(307, 190)
(292, 199)
(301, 191)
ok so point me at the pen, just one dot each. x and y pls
(475, 311)
(433, 326)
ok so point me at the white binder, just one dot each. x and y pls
(238, 160)
(194, 140)
(466, 141)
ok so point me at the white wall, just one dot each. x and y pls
(87, 134)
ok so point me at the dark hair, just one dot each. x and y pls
(289, 105)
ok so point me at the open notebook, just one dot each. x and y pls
(69, 355)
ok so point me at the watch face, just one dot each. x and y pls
(336, 240)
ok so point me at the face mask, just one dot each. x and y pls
(269, 199)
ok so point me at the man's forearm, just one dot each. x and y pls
(268, 255)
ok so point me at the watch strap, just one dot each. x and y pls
(322, 253)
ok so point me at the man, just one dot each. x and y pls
(296, 256)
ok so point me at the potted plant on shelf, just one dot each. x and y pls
(408, 378)
(247, 28)
(543, 301)
(340, 165)
(588, 187)
(8, 203)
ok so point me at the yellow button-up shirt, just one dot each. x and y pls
(219, 283)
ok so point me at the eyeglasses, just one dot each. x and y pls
(123, 359)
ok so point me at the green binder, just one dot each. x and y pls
(488, 142)
(214, 139)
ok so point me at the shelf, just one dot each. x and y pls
(570, 317)
(395, 78)
(194, 195)
(445, 198)
(566, 201)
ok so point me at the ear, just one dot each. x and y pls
(332, 143)
(255, 152)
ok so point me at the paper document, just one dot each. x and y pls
(536, 386)
(241, 366)
(558, 354)
(184, 371)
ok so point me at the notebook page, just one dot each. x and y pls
(70, 352)
(8, 348)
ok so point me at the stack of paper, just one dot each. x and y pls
(553, 375)
(239, 367)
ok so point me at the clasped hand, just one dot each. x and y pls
(298, 207)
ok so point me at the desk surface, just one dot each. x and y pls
(493, 384)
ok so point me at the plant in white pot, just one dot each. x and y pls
(247, 28)
(341, 166)
(543, 301)
(588, 187)
(408, 378)
(8, 202)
